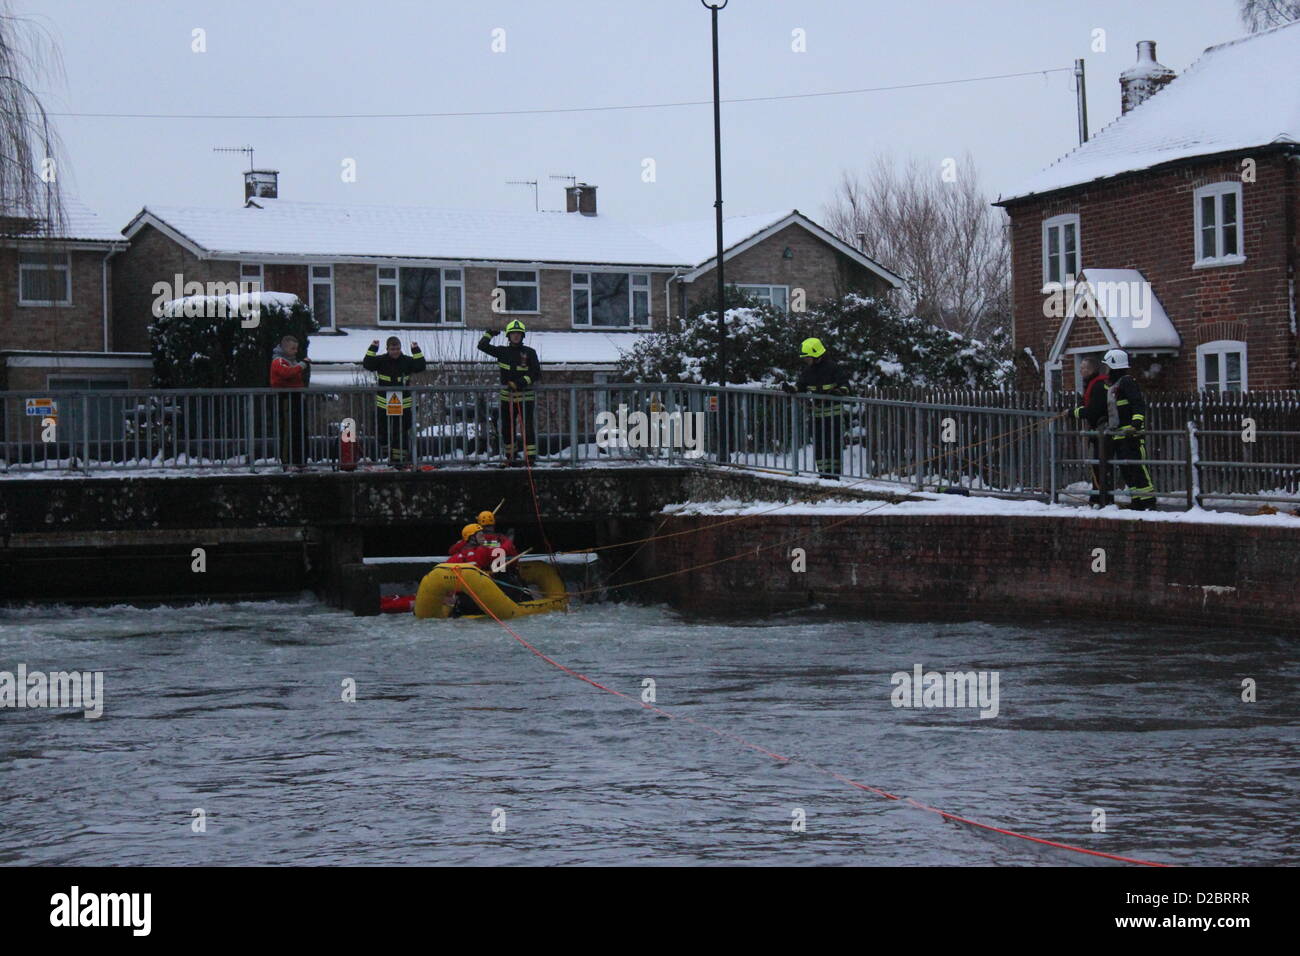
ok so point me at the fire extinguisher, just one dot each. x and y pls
(347, 451)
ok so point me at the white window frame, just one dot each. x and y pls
(754, 288)
(261, 274)
(633, 323)
(1055, 223)
(395, 282)
(312, 282)
(1217, 190)
(50, 266)
(1218, 349)
(517, 283)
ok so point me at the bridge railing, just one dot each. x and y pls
(905, 444)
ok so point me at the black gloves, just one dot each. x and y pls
(491, 333)
(788, 388)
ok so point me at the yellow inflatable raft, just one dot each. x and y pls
(442, 581)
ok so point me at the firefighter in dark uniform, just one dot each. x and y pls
(520, 370)
(394, 371)
(1126, 427)
(823, 377)
(1092, 414)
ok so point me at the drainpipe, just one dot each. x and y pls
(668, 296)
(104, 290)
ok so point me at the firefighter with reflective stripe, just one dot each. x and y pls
(520, 370)
(493, 537)
(823, 377)
(1092, 414)
(474, 548)
(1126, 412)
(393, 370)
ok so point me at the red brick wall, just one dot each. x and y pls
(987, 567)
(1146, 222)
(821, 271)
(78, 327)
(153, 257)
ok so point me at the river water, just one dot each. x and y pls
(237, 710)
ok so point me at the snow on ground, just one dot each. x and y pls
(934, 504)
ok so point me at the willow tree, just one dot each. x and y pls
(30, 198)
(1259, 15)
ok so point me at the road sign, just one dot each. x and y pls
(43, 407)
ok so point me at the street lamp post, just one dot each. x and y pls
(717, 206)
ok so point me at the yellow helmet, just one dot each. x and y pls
(469, 531)
(515, 326)
(812, 348)
(486, 518)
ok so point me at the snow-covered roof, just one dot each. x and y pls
(1239, 95)
(1125, 306)
(270, 227)
(696, 240)
(279, 227)
(461, 345)
(80, 223)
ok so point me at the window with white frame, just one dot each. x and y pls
(250, 272)
(420, 295)
(322, 295)
(1060, 249)
(1221, 366)
(775, 295)
(44, 278)
(611, 300)
(520, 288)
(1218, 224)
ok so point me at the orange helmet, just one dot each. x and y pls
(469, 531)
(487, 518)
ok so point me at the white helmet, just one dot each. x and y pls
(1116, 358)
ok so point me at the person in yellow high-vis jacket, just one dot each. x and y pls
(823, 377)
(520, 370)
(393, 371)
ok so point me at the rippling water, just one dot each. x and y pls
(237, 710)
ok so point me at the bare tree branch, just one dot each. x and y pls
(943, 237)
(31, 199)
(1259, 15)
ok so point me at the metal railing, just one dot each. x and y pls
(977, 449)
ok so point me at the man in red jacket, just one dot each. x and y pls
(1092, 413)
(292, 374)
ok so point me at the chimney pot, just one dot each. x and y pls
(580, 198)
(261, 184)
(1143, 79)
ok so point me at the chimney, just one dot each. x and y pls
(580, 198)
(1143, 79)
(261, 184)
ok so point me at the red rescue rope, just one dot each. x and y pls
(521, 432)
(776, 756)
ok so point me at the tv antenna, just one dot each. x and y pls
(573, 180)
(237, 149)
(526, 182)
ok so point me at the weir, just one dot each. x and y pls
(341, 535)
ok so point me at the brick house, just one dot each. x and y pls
(55, 315)
(1172, 233)
(56, 319)
(586, 285)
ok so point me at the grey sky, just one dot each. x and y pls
(409, 56)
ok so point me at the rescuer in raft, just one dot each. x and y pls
(520, 369)
(823, 377)
(474, 548)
